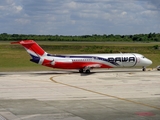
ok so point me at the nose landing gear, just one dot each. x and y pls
(143, 68)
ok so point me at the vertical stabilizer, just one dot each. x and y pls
(33, 49)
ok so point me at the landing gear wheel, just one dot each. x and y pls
(87, 71)
(143, 68)
(80, 70)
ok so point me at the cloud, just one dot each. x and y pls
(79, 17)
(8, 7)
(156, 3)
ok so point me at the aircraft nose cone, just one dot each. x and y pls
(148, 62)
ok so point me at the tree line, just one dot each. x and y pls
(151, 37)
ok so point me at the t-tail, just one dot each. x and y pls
(33, 49)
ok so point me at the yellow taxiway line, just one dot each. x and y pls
(103, 94)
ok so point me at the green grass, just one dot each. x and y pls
(15, 57)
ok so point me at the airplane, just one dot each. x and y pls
(83, 62)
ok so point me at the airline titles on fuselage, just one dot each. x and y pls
(109, 59)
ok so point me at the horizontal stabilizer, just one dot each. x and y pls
(15, 42)
(23, 42)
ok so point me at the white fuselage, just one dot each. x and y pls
(96, 60)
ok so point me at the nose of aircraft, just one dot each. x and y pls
(148, 62)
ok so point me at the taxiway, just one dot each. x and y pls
(117, 94)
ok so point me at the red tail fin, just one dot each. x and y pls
(31, 46)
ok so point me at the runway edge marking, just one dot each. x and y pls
(123, 99)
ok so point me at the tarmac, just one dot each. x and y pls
(114, 94)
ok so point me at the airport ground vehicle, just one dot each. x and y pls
(158, 67)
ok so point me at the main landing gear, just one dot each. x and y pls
(83, 70)
(80, 70)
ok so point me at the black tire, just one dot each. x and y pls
(144, 69)
(80, 70)
(87, 71)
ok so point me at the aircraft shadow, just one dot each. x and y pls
(2, 74)
(86, 74)
(53, 72)
(61, 72)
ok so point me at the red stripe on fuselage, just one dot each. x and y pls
(72, 65)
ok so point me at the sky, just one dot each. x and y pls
(79, 17)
